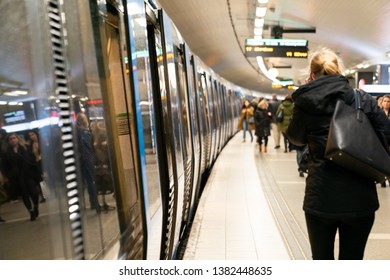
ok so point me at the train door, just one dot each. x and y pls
(189, 131)
(186, 137)
(225, 114)
(219, 116)
(213, 118)
(205, 116)
(191, 76)
(116, 86)
(116, 75)
(166, 89)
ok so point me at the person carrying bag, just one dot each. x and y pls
(336, 200)
(354, 144)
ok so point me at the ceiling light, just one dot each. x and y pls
(259, 22)
(261, 64)
(262, 1)
(15, 92)
(258, 31)
(273, 72)
(260, 11)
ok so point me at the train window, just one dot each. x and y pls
(37, 152)
(98, 163)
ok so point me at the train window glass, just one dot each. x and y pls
(148, 119)
(32, 136)
(182, 89)
(88, 56)
(164, 102)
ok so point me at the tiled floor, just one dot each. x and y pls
(251, 208)
(233, 219)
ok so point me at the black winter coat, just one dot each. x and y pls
(331, 191)
(262, 123)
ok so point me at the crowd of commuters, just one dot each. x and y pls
(22, 176)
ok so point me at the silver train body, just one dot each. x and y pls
(158, 115)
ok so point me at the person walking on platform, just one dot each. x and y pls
(286, 106)
(274, 104)
(32, 138)
(385, 105)
(263, 122)
(335, 198)
(246, 121)
(20, 167)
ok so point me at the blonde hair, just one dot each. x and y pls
(82, 121)
(325, 62)
(263, 103)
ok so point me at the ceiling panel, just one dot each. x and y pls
(216, 30)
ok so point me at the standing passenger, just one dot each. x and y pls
(245, 122)
(263, 124)
(34, 148)
(287, 106)
(335, 198)
(274, 104)
(20, 167)
(385, 105)
(87, 159)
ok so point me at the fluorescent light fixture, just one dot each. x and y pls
(260, 11)
(273, 72)
(385, 89)
(259, 22)
(258, 31)
(263, 69)
(262, 1)
(31, 125)
(16, 92)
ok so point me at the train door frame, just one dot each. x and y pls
(136, 222)
(213, 119)
(198, 152)
(191, 186)
(207, 133)
(171, 239)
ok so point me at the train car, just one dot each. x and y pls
(129, 120)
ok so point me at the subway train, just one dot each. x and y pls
(156, 118)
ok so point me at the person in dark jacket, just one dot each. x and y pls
(263, 123)
(20, 166)
(87, 159)
(335, 198)
(274, 104)
(287, 106)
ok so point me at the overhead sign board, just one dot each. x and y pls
(290, 48)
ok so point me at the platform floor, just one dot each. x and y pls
(251, 208)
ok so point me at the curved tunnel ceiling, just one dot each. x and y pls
(216, 30)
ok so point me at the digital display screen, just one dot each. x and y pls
(288, 48)
(14, 117)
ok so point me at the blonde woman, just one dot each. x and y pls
(336, 200)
